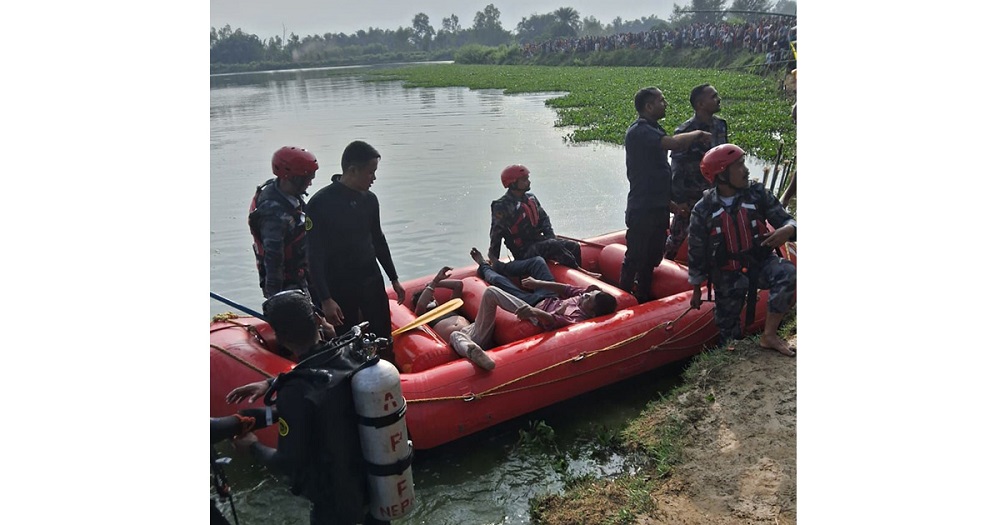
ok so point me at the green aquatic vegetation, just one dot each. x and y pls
(539, 435)
(595, 103)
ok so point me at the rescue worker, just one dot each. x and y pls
(729, 244)
(519, 220)
(688, 184)
(346, 246)
(278, 222)
(650, 199)
(319, 448)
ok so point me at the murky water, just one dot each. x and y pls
(442, 153)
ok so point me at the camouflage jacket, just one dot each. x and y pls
(519, 222)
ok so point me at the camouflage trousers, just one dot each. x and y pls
(679, 225)
(776, 275)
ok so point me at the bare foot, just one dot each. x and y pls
(477, 256)
(776, 343)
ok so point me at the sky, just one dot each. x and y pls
(264, 18)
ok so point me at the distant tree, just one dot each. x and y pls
(487, 28)
(569, 17)
(645, 23)
(710, 11)
(615, 26)
(235, 47)
(785, 7)
(536, 28)
(423, 33)
(450, 24)
(752, 5)
(592, 27)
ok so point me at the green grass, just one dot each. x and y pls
(598, 101)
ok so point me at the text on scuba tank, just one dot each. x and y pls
(389, 399)
(398, 509)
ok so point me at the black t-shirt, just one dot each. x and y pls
(646, 166)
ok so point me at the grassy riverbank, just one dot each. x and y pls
(720, 449)
(598, 100)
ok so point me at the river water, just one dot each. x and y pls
(442, 152)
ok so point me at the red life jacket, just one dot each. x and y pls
(295, 256)
(734, 237)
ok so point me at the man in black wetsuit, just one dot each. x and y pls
(346, 245)
(321, 456)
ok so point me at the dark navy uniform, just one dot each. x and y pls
(647, 214)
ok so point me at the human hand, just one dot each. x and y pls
(326, 329)
(696, 297)
(331, 310)
(249, 392)
(400, 292)
(442, 274)
(778, 237)
(530, 283)
(244, 442)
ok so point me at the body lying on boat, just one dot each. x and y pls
(449, 397)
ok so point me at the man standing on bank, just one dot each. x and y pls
(346, 245)
(688, 183)
(730, 244)
(647, 214)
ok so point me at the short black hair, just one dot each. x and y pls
(358, 153)
(292, 316)
(604, 304)
(643, 96)
(696, 92)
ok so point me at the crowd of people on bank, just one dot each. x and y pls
(320, 265)
(769, 35)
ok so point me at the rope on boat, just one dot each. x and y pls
(498, 390)
(228, 318)
(242, 361)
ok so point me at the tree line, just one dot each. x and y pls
(422, 41)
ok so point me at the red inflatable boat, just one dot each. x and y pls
(448, 397)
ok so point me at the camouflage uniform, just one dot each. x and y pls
(708, 255)
(522, 225)
(688, 183)
(278, 224)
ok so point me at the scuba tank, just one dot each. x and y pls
(378, 407)
(385, 444)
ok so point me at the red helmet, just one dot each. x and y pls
(290, 161)
(511, 173)
(718, 159)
